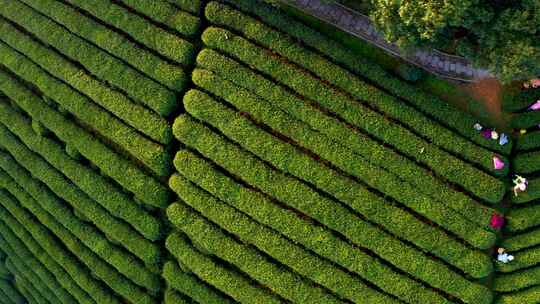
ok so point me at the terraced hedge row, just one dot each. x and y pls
(174, 151)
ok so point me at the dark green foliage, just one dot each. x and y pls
(532, 193)
(166, 13)
(527, 163)
(227, 280)
(24, 225)
(23, 259)
(410, 72)
(277, 246)
(355, 113)
(99, 268)
(26, 275)
(95, 60)
(151, 154)
(531, 295)
(502, 36)
(193, 6)
(190, 285)
(528, 141)
(145, 61)
(169, 45)
(94, 185)
(251, 262)
(285, 188)
(12, 294)
(359, 143)
(42, 201)
(290, 160)
(522, 241)
(524, 217)
(428, 104)
(119, 168)
(522, 259)
(525, 120)
(517, 280)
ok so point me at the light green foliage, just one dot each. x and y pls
(145, 61)
(166, 13)
(216, 147)
(95, 60)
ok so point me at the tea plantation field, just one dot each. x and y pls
(192, 151)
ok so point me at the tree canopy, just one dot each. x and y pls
(502, 35)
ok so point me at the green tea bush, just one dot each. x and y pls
(227, 280)
(289, 159)
(127, 174)
(190, 285)
(277, 98)
(95, 60)
(95, 186)
(166, 13)
(281, 187)
(129, 138)
(27, 228)
(37, 198)
(280, 248)
(172, 76)
(353, 112)
(163, 42)
(20, 255)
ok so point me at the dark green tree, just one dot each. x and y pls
(502, 35)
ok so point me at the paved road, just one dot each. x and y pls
(436, 62)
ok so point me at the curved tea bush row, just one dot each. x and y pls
(145, 61)
(525, 120)
(95, 60)
(426, 103)
(280, 186)
(531, 295)
(297, 229)
(27, 275)
(164, 43)
(527, 163)
(95, 186)
(99, 268)
(191, 286)
(289, 159)
(192, 6)
(42, 200)
(279, 279)
(128, 175)
(528, 141)
(173, 297)
(376, 154)
(229, 281)
(523, 217)
(522, 241)
(21, 239)
(152, 154)
(280, 248)
(78, 272)
(518, 280)
(118, 229)
(12, 294)
(22, 258)
(488, 188)
(166, 13)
